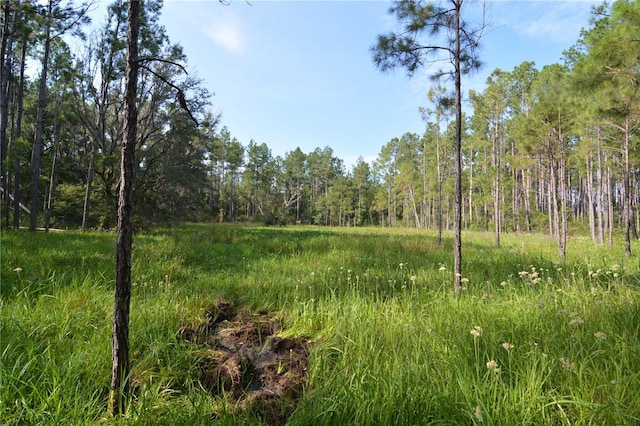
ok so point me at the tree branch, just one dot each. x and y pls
(180, 94)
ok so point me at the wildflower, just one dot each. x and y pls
(442, 268)
(464, 280)
(478, 413)
(571, 366)
(401, 265)
(413, 278)
(616, 275)
(600, 335)
(507, 346)
(503, 283)
(576, 321)
(493, 366)
(313, 274)
(615, 267)
(18, 270)
(477, 331)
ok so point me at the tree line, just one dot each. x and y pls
(542, 150)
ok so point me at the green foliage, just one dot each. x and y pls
(529, 341)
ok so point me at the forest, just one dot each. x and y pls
(543, 150)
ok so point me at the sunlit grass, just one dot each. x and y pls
(532, 339)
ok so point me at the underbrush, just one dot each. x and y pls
(531, 340)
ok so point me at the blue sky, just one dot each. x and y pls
(299, 73)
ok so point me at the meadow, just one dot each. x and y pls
(532, 340)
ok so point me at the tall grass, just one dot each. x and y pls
(532, 339)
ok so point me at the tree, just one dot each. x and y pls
(120, 333)
(100, 67)
(491, 113)
(459, 48)
(613, 63)
(363, 185)
(442, 108)
(294, 168)
(57, 21)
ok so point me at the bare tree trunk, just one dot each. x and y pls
(627, 189)
(120, 333)
(550, 187)
(527, 199)
(600, 195)
(457, 205)
(5, 87)
(36, 155)
(415, 208)
(470, 192)
(591, 199)
(496, 185)
(439, 187)
(17, 195)
(87, 195)
(562, 234)
(52, 177)
(52, 190)
(610, 205)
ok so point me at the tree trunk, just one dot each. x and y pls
(496, 185)
(527, 197)
(601, 197)
(17, 194)
(5, 69)
(52, 178)
(439, 187)
(52, 190)
(610, 205)
(87, 195)
(120, 334)
(591, 199)
(627, 189)
(457, 205)
(470, 200)
(562, 235)
(36, 154)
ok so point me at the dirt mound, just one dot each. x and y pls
(245, 359)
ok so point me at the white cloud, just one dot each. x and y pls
(560, 22)
(226, 31)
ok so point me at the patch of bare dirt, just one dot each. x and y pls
(246, 359)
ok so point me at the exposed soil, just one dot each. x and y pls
(246, 360)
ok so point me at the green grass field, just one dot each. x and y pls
(531, 340)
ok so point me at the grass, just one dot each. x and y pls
(532, 340)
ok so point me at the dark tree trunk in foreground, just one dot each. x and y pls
(120, 334)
